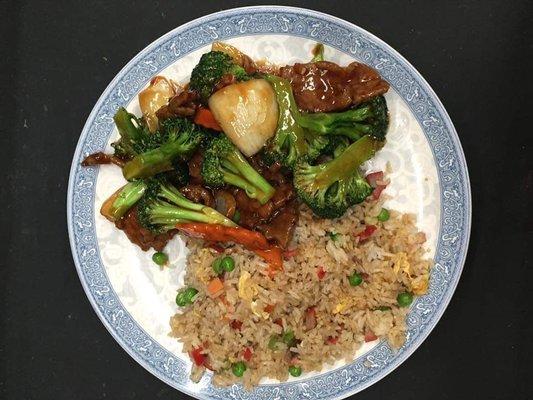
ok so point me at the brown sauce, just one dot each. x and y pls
(102, 158)
(140, 236)
(324, 86)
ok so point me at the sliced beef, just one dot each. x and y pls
(281, 227)
(102, 158)
(198, 194)
(140, 236)
(195, 167)
(183, 104)
(325, 86)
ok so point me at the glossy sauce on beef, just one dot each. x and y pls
(140, 236)
(102, 158)
(324, 86)
(281, 226)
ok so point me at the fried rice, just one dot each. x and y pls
(312, 296)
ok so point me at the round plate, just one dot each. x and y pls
(134, 299)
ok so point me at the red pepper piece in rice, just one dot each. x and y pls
(369, 230)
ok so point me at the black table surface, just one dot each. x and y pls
(57, 58)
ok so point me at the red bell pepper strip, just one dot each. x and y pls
(220, 233)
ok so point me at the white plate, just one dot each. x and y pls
(135, 299)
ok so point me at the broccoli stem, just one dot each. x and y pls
(251, 191)
(288, 128)
(163, 214)
(121, 201)
(154, 161)
(344, 166)
(328, 122)
(124, 122)
(192, 211)
(238, 161)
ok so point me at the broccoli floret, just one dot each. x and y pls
(225, 165)
(330, 188)
(177, 139)
(179, 176)
(163, 206)
(291, 141)
(210, 69)
(369, 118)
(133, 134)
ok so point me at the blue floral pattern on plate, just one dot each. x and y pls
(438, 129)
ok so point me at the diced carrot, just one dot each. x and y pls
(321, 273)
(205, 117)
(215, 287)
(279, 321)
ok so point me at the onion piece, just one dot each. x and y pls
(225, 203)
(247, 113)
(155, 96)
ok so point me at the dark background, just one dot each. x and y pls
(56, 58)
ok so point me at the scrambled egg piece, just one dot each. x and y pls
(420, 284)
(247, 289)
(401, 264)
(260, 312)
(343, 305)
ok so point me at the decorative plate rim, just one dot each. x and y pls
(291, 389)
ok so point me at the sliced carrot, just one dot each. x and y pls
(220, 233)
(205, 117)
(215, 287)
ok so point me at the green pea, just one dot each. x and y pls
(189, 294)
(355, 279)
(237, 216)
(384, 215)
(295, 371)
(334, 236)
(404, 299)
(160, 258)
(288, 338)
(217, 266)
(185, 296)
(238, 368)
(181, 299)
(274, 342)
(227, 264)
